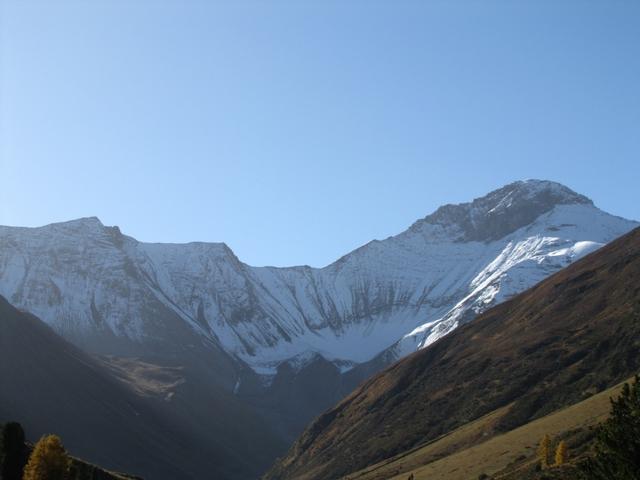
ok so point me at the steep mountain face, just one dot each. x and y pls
(568, 337)
(285, 343)
(112, 294)
(49, 385)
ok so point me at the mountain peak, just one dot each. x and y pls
(80, 222)
(85, 225)
(535, 189)
(504, 210)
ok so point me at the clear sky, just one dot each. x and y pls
(296, 131)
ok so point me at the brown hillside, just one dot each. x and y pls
(568, 337)
(509, 456)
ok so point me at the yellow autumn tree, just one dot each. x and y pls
(544, 449)
(48, 461)
(561, 453)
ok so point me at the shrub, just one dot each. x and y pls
(543, 451)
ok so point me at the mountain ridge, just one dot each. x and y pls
(399, 293)
(554, 193)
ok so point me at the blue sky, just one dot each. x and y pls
(296, 131)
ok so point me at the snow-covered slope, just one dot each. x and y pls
(105, 290)
(518, 261)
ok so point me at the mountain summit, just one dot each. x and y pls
(505, 210)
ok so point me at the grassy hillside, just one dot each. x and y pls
(504, 456)
(569, 337)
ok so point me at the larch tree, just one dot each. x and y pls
(562, 453)
(48, 461)
(544, 450)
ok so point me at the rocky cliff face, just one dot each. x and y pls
(109, 293)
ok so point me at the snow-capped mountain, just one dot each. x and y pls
(110, 293)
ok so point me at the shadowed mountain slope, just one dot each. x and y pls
(568, 337)
(49, 385)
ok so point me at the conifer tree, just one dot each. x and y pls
(13, 452)
(48, 461)
(617, 449)
(561, 453)
(544, 449)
